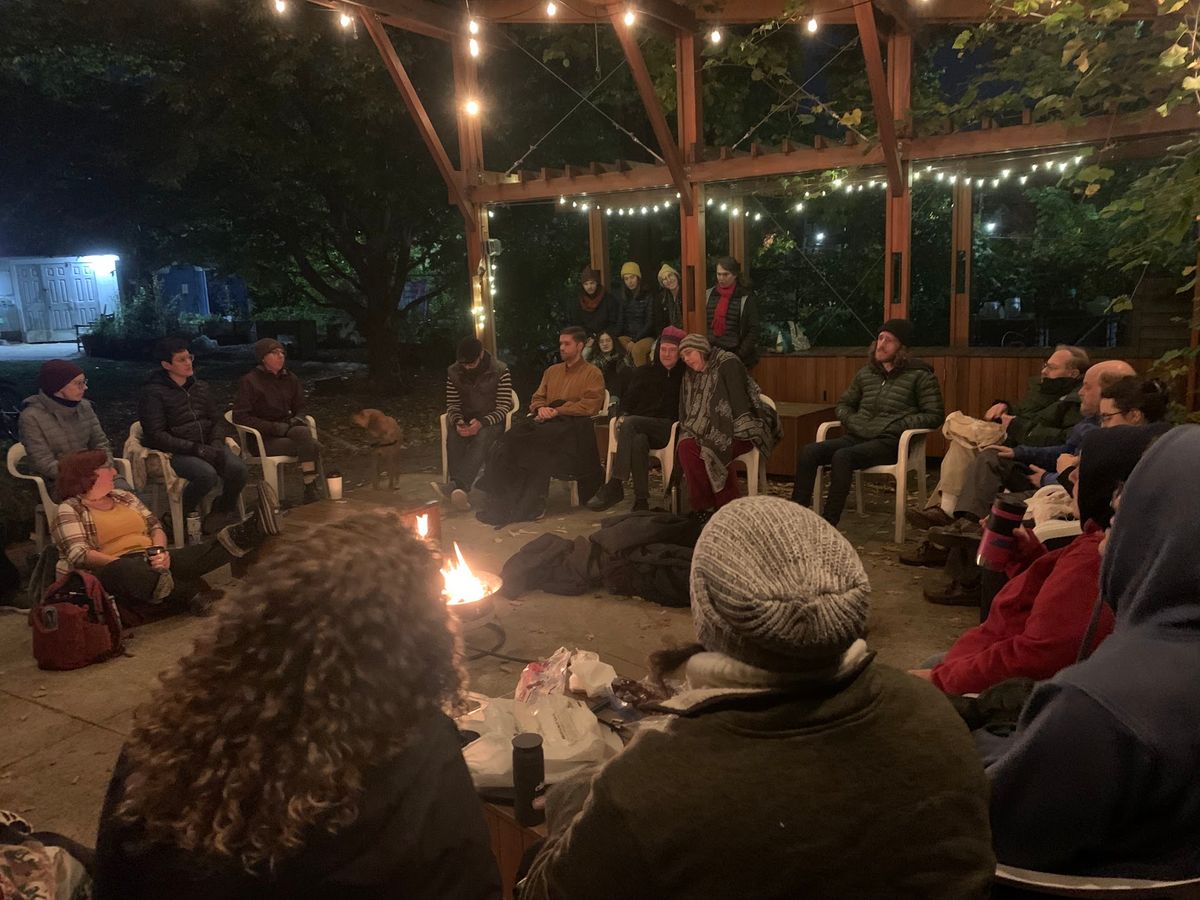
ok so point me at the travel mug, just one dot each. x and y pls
(529, 778)
(333, 485)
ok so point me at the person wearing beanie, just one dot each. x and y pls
(270, 398)
(722, 414)
(732, 313)
(649, 411)
(479, 403)
(57, 420)
(179, 416)
(793, 763)
(889, 395)
(671, 295)
(592, 308)
(642, 315)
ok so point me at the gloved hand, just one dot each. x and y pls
(297, 422)
(214, 456)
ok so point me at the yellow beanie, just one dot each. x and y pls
(665, 271)
(631, 268)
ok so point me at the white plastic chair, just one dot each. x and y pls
(756, 463)
(270, 464)
(910, 457)
(46, 511)
(1092, 886)
(444, 425)
(664, 455)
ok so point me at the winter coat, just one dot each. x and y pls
(419, 833)
(1036, 623)
(1047, 457)
(268, 401)
(672, 307)
(741, 325)
(616, 369)
(654, 391)
(179, 419)
(604, 317)
(642, 314)
(1046, 414)
(883, 404)
(864, 787)
(1100, 777)
(50, 430)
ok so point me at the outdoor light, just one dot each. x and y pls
(849, 189)
(1004, 173)
(799, 207)
(860, 187)
(473, 27)
(990, 226)
(491, 214)
(473, 46)
(1023, 179)
(819, 236)
(608, 212)
(710, 202)
(281, 6)
(1062, 167)
(585, 207)
(562, 200)
(1049, 164)
(678, 195)
(574, 205)
(734, 212)
(811, 25)
(1078, 160)
(345, 20)
(630, 16)
(715, 36)
(552, 9)
(656, 207)
(103, 265)
(995, 182)
(722, 207)
(471, 107)
(978, 182)
(939, 176)
(953, 179)
(837, 182)
(929, 168)
(757, 216)
(643, 210)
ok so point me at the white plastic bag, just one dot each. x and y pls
(589, 675)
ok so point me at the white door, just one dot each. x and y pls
(33, 302)
(86, 293)
(60, 305)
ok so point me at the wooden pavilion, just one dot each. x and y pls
(691, 172)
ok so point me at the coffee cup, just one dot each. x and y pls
(333, 485)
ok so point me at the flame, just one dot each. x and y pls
(461, 584)
(423, 526)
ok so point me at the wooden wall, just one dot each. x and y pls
(970, 380)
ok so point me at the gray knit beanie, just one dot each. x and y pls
(776, 586)
(695, 342)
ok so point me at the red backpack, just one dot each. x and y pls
(75, 624)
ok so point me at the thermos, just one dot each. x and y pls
(996, 547)
(194, 533)
(529, 778)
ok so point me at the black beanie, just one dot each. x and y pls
(900, 328)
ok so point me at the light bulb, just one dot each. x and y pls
(621, 211)
(281, 6)
(990, 226)
(812, 25)
(820, 236)
(995, 182)
(562, 200)
(586, 207)
(473, 46)
(710, 202)
(1078, 160)
(491, 214)
(715, 36)
(757, 216)
(799, 207)
(721, 207)
(1004, 173)
(471, 107)
(656, 207)
(939, 176)
(608, 212)
(574, 205)
(953, 179)
(837, 182)
(1062, 167)
(643, 210)
(630, 16)
(552, 9)
(1023, 179)
(345, 20)
(473, 27)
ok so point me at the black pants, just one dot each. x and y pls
(465, 455)
(636, 437)
(988, 475)
(517, 477)
(298, 442)
(844, 456)
(131, 578)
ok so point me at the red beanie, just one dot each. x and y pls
(56, 374)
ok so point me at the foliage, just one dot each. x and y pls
(141, 316)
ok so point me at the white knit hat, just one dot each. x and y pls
(776, 586)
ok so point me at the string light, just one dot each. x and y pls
(471, 107)
(990, 226)
(953, 179)
(473, 47)
(757, 216)
(643, 210)
(552, 9)
(714, 36)
(710, 202)
(630, 16)
(819, 236)
(1004, 173)
(1023, 179)
(345, 20)
(721, 207)
(562, 200)
(799, 207)
(281, 6)
(473, 27)
(812, 25)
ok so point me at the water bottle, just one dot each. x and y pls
(529, 778)
(194, 531)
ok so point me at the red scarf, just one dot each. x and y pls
(718, 323)
(590, 302)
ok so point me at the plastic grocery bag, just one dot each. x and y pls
(589, 675)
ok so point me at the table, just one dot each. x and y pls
(800, 423)
(510, 840)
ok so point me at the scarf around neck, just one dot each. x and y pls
(590, 302)
(718, 323)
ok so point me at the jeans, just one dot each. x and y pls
(701, 495)
(844, 456)
(465, 455)
(131, 578)
(298, 442)
(202, 478)
(636, 437)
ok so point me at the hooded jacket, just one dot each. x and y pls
(883, 404)
(1047, 412)
(50, 430)
(654, 391)
(179, 418)
(1100, 777)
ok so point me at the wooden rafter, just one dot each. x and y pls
(645, 87)
(864, 15)
(897, 11)
(416, 110)
(417, 16)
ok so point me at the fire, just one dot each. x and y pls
(461, 584)
(423, 526)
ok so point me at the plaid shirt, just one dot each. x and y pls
(74, 530)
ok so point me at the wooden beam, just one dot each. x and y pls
(961, 232)
(897, 11)
(417, 16)
(470, 135)
(483, 311)
(897, 275)
(598, 242)
(662, 131)
(864, 15)
(693, 264)
(682, 19)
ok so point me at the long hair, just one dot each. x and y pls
(318, 667)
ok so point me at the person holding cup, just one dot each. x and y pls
(112, 534)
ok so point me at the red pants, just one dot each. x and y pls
(700, 492)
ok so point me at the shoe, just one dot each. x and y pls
(701, 515)
(925, 553)
(491, 517)
(641, 504)
(442, 489)
(953, 594)
(929, 517)
(961, 533)
(215, 521)
(266, 508)
(460, 500)
(202, 604)
(244, 537)
(607, 497)
(312, 493)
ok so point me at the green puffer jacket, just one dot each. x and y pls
(879, 403)
(1046, 415)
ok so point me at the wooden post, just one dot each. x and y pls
(598, 242)
(1194, 328)
(737, 232)
(483, 308)
(897, 276)
(961, 229)
(693, 263)
(877, 80)
(689, 98)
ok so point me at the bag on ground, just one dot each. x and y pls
(75, 624)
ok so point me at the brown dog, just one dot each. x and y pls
(387, 436)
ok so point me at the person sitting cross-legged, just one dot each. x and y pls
(890, 394)
(556, 439)
(649, 409)
(270, 398)
(478, 399)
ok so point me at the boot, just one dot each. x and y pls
(246, 536)
(640, 504)
(311, 492)
(612, 493)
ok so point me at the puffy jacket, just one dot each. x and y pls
(1047, 412)
(642, 315)
(50, 430)
(879, 403)
(179, 418)
(741, 336)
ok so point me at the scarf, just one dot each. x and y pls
(589, 302)
(69, 404)
(718, 323)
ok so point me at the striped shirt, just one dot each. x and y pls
(504, 402)
(74, 530)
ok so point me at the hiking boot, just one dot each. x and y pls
(612, 493)
(929, 517)
(962, 532)
(246, 536)
(460, 500)
(641, 504)
(953, 594)
(924, 554)
(312, 493)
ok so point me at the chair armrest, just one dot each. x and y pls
(825, 427)
(312, 426)
(125, 468)
(674, 433)
(908, 439)
(242, 432)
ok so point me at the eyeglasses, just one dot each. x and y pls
(82, 383)
(1104, 417)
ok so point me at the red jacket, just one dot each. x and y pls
(1036, 623)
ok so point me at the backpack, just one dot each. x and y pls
(75, 624)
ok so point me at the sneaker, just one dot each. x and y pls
(929, 517)
(641, 504)
(312, 493)
(612, 493)
(442, 489)
(953, 594)
(926, 553)
(217, 520)
(962, 532)
(202, 604)
(266, 506)
(460, 500)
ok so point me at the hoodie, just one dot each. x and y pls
(1100, 777)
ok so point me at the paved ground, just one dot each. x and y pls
(60, 732)
(61, 350)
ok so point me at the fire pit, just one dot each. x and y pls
(468, 593)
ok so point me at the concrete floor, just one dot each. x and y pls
(60, 732)
(60, 350)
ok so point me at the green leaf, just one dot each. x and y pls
(1173, 7)
(1192, 83)
(1175, 55)
(964, 38)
